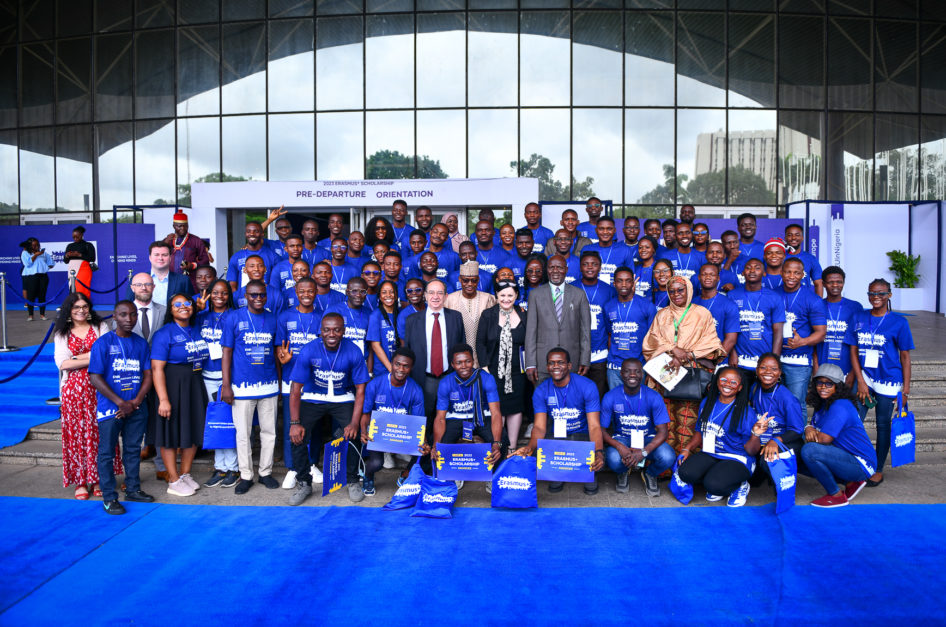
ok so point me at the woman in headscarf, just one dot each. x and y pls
(453, 228)
(687, 333)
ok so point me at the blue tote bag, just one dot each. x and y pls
(680, 489)
(408, 492)
(514, 483)
(902, 435)
(436, 499)
(784, 470)
(219, 430)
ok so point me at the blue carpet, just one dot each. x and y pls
(24, 398)
(868, 565)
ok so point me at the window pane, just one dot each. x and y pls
(493, 142)
(291, 8)
(851, 7)
(896, 160)
(153, 13)
(339, 137)
(441, 144)
(36, 84)
(801, 174)
(701, 154)
(8, 86)
(74, 81)
(112, 15)
(339, 63)
(491, 73)
(544, 151)
(74, 168)
(198, 71)
(389, 61)
(232, 10)
(933, 69)
(113, 77)
(244, 147)
(440, 5)
(933, 158)
(154, 161)
(751, 60)
(596, 55)
(701, 59)
(848, 158)
(197, 11)
(648, 156)
(291, 147)
(441, 60)
(596, 154)
(849, 71)
(37, 19)
(74, 17)
(9, 194)
(389, 145)
(337, 7)
(895, 66)
(198, 153)
(544, 58)
(154, 93)
(244, 68)
(802, 6)
(751, 157)
(290, 65)
(116, 161)
(801, 58)
(37, 170)
(648, 60)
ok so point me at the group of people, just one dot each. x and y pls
(512, 336)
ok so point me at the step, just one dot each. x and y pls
(46, 431)
(40, 452)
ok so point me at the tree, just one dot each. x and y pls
(745, 187)
(541, 168)
(663, 193)
(184, 190)
(391, 164)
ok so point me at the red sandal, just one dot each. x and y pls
(82, 494)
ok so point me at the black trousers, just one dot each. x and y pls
(36, 286)
(599, 374)
(454, 432)
(720, 477)
(311, 415)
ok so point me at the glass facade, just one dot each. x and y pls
(647, 103)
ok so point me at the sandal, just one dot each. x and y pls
(96, 490)
(82, 494)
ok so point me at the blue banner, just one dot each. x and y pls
(334, 463)
(396, 433)
(464, 462)
(565, 460)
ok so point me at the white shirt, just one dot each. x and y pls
(150, 308)
(429, 329)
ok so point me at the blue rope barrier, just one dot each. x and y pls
(54, 299)
(101, 291)
(42, 345)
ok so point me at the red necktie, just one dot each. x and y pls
(436, 349)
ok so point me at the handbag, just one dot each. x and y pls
(902, 435)
(219, 430)
(691, 387)
(514, 483)
(680, 489)
(784, 471)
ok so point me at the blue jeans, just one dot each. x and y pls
(661, 458)
(614, 379)
(883, 413)
(132, 430)
(315, 443)
(829, 463)
(225, 459)
(796, 380)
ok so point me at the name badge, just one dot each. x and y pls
(637, 438)
(787, 331)
(623, 345)
(468, 430)
(560, 429)
(755, 331)
(709, 442)
(871, 358)
(594, 322)
(216, 350)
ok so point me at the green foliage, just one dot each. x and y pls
(904, 268)
(390, 164)
(184, 190)
(664, 193)
(539, 167)
(501, 216)
(745, 188)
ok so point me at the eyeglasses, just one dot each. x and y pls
(435, 293)
(142, 284)
(679, 290)
(468, 279)
(357, 292)
(80, 308)
(593, 205)
(340, 247)
(185, 304)
(730, 381)
(414, 290)
(824, 383)
(371, 272)
(663, 271)
(871, 294)
(256, 295)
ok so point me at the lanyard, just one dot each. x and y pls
(758, 306)
(630, 303)
(338, 352)
(486, 257)
(788, 307)
(709, 305)
(726, 410)
(680, 261)
(640, 396)
(840, 307)
(677, 323)
(309, 326)
(398, 234)
(768, 281)
(771, 396)
(591, 297)
(249, 318)
(610, 250)
(871, 327)
(561, 400)
(400, 401)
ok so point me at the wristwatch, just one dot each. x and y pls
(644, 453)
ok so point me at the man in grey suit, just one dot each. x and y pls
(559, 315)
(150, 319)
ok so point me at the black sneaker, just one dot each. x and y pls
(139, 497)
(621, 485)
(231, 479)
(269, 482)
(591, 489)
(215, 479)
(114, 507)
(650, 484)
(556, 486)
(244, 486)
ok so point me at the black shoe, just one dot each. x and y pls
(650, 484)
(873, 484)
(139, 497)
(269, 482)
(231, 479)
(215, 479)
(244, 486)
(556, 486)
(592, 490)
(114, 507)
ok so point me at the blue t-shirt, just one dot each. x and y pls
(628, 323)
(832, 350)
(287, 300)
(518, 266)
(329, 376)
(359, 261)
(298, 329)
(755, 250)
(456, 397)
(660, 299)
(643, 280)
(276, 247)
(315, 255)
(403, 315)
(121, 362)
(323, 302)
(729, 445)
(342, 274)
(281, 276)
(803, 310)
(587, 229)
(812, 267)
(737, 266)
(725, 313)
(447, 262)
(888, 334)
(638, 412)
(211, 324)
(541, 236)
(570, 403)
(574, 269)
(356, 323)
(252, 337)
(685, 265)
(599, 295)
(492, 260)
(758, 311)
(238, 260)
(782, 407)
(381, 330)
(843, 424)
(407, 399)
(612, 258)
(180, 345)
(772, 281)
(402, 237)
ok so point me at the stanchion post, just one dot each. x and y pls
(72, 281)
(3, 314)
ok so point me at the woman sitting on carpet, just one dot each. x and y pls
(786, 420)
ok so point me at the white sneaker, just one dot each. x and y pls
(290, 481)
(190, 481)
(316, 474)
(738, 498)
(528, 433)
(712, 498)
(459, 485)
(388, 461)
(180, 488)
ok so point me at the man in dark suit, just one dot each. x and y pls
(166, 283)
(559, 315)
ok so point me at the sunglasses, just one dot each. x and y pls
(256, 295)
(871, 294)
(414, 290)
(183, 303)
(824, 383)
(469, 279)
(679, 290)
(371, 272)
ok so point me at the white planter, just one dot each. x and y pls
(908, 299)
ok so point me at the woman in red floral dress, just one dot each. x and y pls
(77, 328)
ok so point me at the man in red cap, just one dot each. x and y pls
(187, 251)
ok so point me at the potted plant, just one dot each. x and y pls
(906, 294)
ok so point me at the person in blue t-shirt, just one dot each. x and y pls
(342, 271)
(570, 405)
(394, 392)
(254, 269)
(355, 314)
(631, 229)
(328, 380)
(663, 272)
(749, 246)
(599, 295)
(716, 255)
(686, 261)
(761, 320)
(773, 256)
(286, 298)
(325, 296)
(654, 230)
(734, 259)
(311, 251)
(562, 244)
(411, 260)
(447, 260)
(540, 234)
(805, 327)
(588, 229)
(785, 414)
(400, 228)
(725, 312)
(382, 336)
(840, 313)
(250, 382)
(254, 246)
(281, 276)
(728, 432)
(336, 224)
(880, 342)
(120, 372)
(794, 237)
(357, 256)
(524, 246)
(468, 253)
(415, 303)
(836, 445)
(613, 254)
(628, 317)
(644, 266)
(640, 430)
(489, 255)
